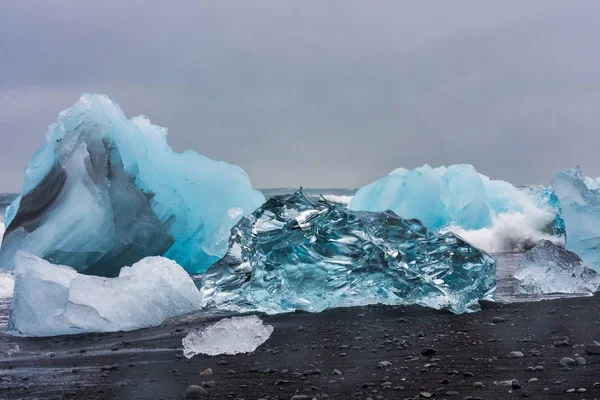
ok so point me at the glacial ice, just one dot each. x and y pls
(439, 196)
(227, 336)
(493, 215)
(580, 209)
(548, 268)
(106, 191)
(293, 253)
(56, 300)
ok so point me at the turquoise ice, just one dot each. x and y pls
(580, 209)
(293, 253)
(106, 191)
(456, 195)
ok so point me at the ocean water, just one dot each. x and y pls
(509, 229)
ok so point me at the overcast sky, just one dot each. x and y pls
(317, 93)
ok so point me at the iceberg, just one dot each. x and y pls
(297, 254)
(227, 336)
(54, 300)
(439, 196)
(493, 215)
(580, 209)
(548, 268)
(106, 191)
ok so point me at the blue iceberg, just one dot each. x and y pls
(293, 253)
(580, 209)
(105, 192)
(438, 197)
(493, 215)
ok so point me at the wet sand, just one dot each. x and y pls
(471, 354)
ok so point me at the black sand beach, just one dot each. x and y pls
(376, 352)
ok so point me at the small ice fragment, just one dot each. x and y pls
(228, 336)
(548, 268)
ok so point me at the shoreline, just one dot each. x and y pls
(306, 351)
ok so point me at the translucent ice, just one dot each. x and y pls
(55, 300)
(228, 336)
(580, 209)
(293, 253)
(106, 191)
(548, 268)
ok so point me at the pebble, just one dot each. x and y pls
(533, 380)
(384, 364)
(207, 371)
(428, 352)
(580, 361)
(426, 395)
(593, 348)
(336, 372)
(497, 320)
(567, 361)
(515, 354)
(301, 397)
(478, 385)
(195, 392)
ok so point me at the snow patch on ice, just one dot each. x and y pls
(228, 336)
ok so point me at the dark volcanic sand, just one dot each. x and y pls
(148, 364)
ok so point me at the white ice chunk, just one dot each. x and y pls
(548, 268)
(55, 300)
(228, 336)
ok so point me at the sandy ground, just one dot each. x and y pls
(354, 353)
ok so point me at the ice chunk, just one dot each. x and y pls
(106, 191)
(55, 299)
(548, 268)
(580, 205)
(440, 197)
(227, 336)
(293, 253)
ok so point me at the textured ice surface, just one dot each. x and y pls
(106, 191)
(55, 300)
(296, 254)
(493, 215)
(439, 196)
(227, 336)
(580, 209)
(548, 268)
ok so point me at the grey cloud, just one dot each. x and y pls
(319, 94)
